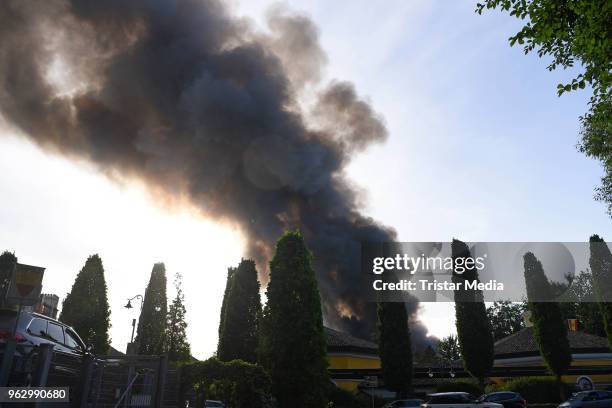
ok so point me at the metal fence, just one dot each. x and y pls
(124, 381)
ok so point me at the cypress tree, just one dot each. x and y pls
(7, 265)
(394, 346)
(293, 347)
(152, 322)
(228, 283)
(242, 311)
(473, 327)
(86, 306)
(549, 328)
(601, 267)
(178, 348)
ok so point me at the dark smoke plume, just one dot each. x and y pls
(200, 105)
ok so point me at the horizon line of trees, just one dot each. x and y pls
(161, 328)
(286, 336)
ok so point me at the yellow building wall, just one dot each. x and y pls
(597, 378)
(348, 361)
(348, 385)
(352, 362)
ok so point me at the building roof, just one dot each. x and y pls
(338, 341)
(522, 343)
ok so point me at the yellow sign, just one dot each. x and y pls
(26, 284)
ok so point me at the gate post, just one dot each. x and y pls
(43, 364)
(82, 392)
(162, 368)
(7, 361)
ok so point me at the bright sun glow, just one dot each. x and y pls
(121, 223)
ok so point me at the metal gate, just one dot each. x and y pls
(129, 381)
(123, 381)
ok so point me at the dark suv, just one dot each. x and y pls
(33, 330)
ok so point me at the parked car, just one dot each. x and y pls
(404, 403)
(33, 330)
(508, 399)
(457, 400)
(213, 403)
(589, 399)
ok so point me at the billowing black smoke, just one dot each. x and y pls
(201, 106)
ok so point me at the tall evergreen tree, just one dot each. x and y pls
(152, 322)
(228, 283)
(293, 347)
(86, 306)
(601, 267)
(242, 312)
(394, 346)
(177, 346)
(473, 328)
(549, 328)
(7, 265)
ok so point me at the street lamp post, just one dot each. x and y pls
(129, 306)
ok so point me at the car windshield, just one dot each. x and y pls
(410, 403)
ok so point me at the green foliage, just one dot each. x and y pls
(473, 327)
(177, 346)
(152, 323)
(574, 31)
(596, 142)
(580, 303)
(239, 384)
(506, 318)
(394, 346)
(549, 328)
(448, 349)
(292, 346)
(239, 334)
(601, 265)
(568, 31)
(534, 389)
(459, 386)
(228, 283)
(7, 265)
(86, 306)
(339, 398)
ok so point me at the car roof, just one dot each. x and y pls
(502, 392)
(42, 316)
(440, 394)
(49, 319)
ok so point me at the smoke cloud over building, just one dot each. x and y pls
(202, 106)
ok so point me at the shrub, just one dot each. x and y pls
(534, 389)
(340, 398)
(237, 383)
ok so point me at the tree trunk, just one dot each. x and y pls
(561, 388)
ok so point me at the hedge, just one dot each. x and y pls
(237, 383)
(534, 389)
